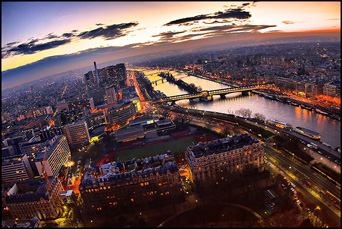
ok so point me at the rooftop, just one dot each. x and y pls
(28, 190)
(50, 148)
(127, 170)
(203, 149)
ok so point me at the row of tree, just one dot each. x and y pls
(247, 113)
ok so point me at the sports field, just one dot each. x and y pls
(177, 147)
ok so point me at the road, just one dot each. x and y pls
(334, 155)
(305, 173)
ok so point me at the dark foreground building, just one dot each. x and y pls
(134, 182)
(210, 160)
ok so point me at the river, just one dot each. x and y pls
(330, 129)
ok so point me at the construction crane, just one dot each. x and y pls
(57, 200)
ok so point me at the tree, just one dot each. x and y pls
(246, 113)
(260, 117)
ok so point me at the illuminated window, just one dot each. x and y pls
(237, 166)
(132, 200)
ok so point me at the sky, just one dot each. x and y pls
(39, 39)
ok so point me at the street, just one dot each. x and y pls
(298, 173)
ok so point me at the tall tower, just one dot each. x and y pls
(96, 74)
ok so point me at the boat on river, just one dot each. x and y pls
(321, 112)
(294, 104)
(308, 133)
(278, 123)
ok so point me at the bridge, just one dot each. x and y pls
(207, 95)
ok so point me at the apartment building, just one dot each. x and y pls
(135, 182)
(209, 160)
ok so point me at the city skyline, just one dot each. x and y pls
(63, 38)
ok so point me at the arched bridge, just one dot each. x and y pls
(207, 95)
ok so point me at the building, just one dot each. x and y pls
(32, 198)
(7, 151)
(209, 160)
(332, 90)
(62, 105)
(77, 133)
(47, 133)
(13, 144)
(137, 181)
(95, 119)
(129, 134)
(56, 156)
(97, 94)
(89, 80)
(96, 75)
(34, 147)
(110, 95)
(49, 110)
(16, 168)
(121, 113)
(116, 76)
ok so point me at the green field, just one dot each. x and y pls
(177, 148)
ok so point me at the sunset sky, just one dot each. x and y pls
(44, 38)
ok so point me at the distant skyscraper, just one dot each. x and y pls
(89, 80)
(110, 95)
(97, 75)
(116, 75)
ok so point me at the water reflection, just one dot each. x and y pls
(329, 128)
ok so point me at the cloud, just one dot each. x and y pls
(98, 24)
(67, 35)
(287, 22)
(168, 35)
(50, 36)
(237, 13)
(109, 32)
(32, 47)
(236, 28)
(12, 43)
(200, 32)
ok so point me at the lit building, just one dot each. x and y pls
(16, 168)
(77, 133)
(49, 110)
(116, 75)
(110, 95)
(136, 101)
(89, 80)
(32, 198)
(332, 90)
(236, 154)
(33, 147)
(120, 113)
(97, 94)
(56, 156)
(95, 119)
(135, 182)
